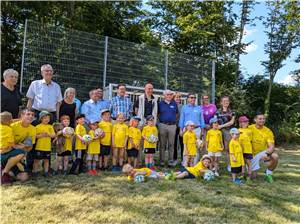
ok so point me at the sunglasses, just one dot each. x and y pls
(192, 97)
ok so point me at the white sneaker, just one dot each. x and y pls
(217, 174)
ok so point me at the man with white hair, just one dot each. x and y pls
(44, 94)
(10, 95)
(167, 114)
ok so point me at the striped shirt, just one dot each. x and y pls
(121, 105)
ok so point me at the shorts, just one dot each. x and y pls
(132, 152)
(12, 153)
(189, 176)
(105, 150)
(248, 156)
(256, 160)
(94, 157)
(149, 150)
(65, 153)
(215, 154)
(38, 154)
(236, 169)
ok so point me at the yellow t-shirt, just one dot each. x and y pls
(106, 126)
(94, 146)
(195, 170)
(147, 132)
(235, 148)
(260, 138)
(80, 130)
(214, 139)
(68, 143)
(136, 136)
(142, 170)
(21, 133)
(190, 140)
(246, 140)
(120, 132)
(44, 143)
(6, 137)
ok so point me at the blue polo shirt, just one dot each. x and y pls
(167, 112)
(191, 113)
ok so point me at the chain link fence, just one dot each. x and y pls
(86, 61)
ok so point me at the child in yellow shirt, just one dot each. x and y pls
(119, 142)
(236, 155)
(189, 144)
(131, 172)
(106, 126)
(246, 143)
(80, 145)
(93, 149)
(150, 136)
(44, 134)
(214, 144)
(134, 140)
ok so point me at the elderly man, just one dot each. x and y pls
(263, 147)
(92, 108)
(167, 114)
(10, 95)
(44, 94)
(121, 103)
(146, 104)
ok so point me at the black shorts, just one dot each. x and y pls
(42, 154)
(248, 156)
(65, 153)
(149, 150)
(133, 152)
(236, 169)
(189, 176)
(16, 170)
(105, 150)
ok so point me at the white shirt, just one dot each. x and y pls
(45, 96)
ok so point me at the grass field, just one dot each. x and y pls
(110, 198)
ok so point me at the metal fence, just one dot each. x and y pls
(85, 61)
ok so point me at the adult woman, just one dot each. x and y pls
(68, 106)
(10, 95)
(177, 98)
(209, 109)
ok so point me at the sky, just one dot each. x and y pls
(251, 62)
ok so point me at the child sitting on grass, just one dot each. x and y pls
(214, 144)
(119, 142)
(134, 140)
(93, 149)
(44, 134)
(193, 172)
(190, 144)
(236, 155)
(131, 172)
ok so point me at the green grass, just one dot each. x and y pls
(110, 198)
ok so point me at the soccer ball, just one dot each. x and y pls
(68, 131)
(199, 143)
(28, 141)
(139, 179)
(87, 138)
(208, 175)
(152, 139)
(98, 132)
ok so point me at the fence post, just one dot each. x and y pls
(213, 80)
(105, 61)
(166, 68)
(23, 55)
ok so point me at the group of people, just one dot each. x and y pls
(103, 134)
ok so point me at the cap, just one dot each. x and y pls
(189, 123)
(206, 157)
(213, 120)
(150, 117)
(104, 111)
(234, 131)
(243, 119)
(80, 116)
(92, 121)
(136, 118)
(43, 114)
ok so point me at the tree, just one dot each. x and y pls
(283, 27)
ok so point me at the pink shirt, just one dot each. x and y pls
(208, 112)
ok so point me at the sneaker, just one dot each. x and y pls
(114, 169)
(46, 174)
(54, 173)
(237, 181)
(90, 172)
(217, 174)
(65, 173)
(94, 172)
(269, 178)
(6, 179)
(153, 168)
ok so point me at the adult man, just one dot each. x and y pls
(194, 113)
(146, 104)
(44, 94)
(263, 147)
(10, 95)
(121, 103)
(167, 113)
(91, 108)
